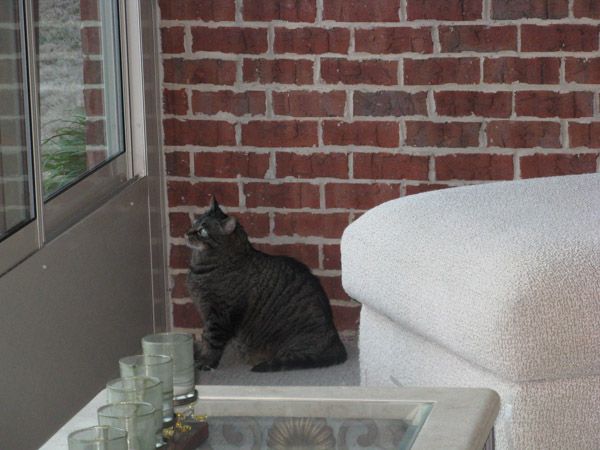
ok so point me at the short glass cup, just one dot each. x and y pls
(137, 418)
(179, 346)
(139, 389)
(159, 366)
(98, 438)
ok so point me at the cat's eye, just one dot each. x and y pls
(203, 232)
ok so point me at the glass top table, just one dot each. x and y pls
(322, 424)
(249, 417)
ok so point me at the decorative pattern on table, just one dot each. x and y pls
(303, 432)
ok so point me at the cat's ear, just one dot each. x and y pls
(214, 206)
(228, 225)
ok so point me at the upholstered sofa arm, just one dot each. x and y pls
(506, 275)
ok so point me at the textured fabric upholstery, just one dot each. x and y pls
(495, 285)
(504, 274)
(550, 414)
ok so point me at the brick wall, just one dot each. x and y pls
(302, 114)
(93, 83)
(14, 199)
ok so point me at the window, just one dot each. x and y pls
(79, 89)
(16, 175)
(63, 116)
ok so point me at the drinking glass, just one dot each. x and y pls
(98, 438)
(137, 418)
(139, 389)
(180, 347)
(159, 366)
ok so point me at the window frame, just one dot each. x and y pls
(55, 215)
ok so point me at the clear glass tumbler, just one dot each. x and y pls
(159, 366)
(179, 346)
(139, 389)
(137, 418)
(98, 438)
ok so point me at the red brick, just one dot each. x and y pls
(230, 164)
(390, 103)
(279, 134)
(452, 134)
(209, 133)
(530, 9)
(441, 71)
(332, 257)
(282, 71)
(177, 164)
(256, 225)
(387, 166)
(333, 287)
(346, 318)
(359, 196)
(586, 8)
(186, 315)
(95, 133)
(287, 10)
(171, 39)
(309, 103)
(95, 157)
(238, 104)
(584, 135)
(447, 10)
(91, 43)
(508, 70)
(94, 102)
(309, 224)
(92, 71)
(474, 167)
(396, 40)
(377, 134)
(470, 103)
(523, 134)
(201, 71)
(311, 41)
(229, 40)
(330, 165)
(582, 70)
(205, 10)
(361, 10)
(179, 257)
(13, 134)
(283, 195)
(9, 40)
(420, 188)
(179, 223)
(337, 70)
(89, 10)
(178, 287)
(306, 253)
(478, 38)
(539, 165)
(553, 104)
(184, 193)
(175, 102)
(555, 38)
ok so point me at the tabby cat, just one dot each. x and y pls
(272, 306)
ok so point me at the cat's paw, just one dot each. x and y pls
(202, 364)
(273, 365)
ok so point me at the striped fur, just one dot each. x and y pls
(273, 307)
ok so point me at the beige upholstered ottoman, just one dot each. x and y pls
(495, 285)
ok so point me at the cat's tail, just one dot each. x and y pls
(333, 354)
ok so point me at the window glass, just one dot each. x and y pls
(79, 89)
(16, 182)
